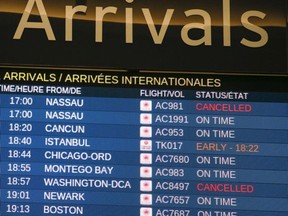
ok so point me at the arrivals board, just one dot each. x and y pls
(149, 144)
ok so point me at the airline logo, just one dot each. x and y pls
(146, 145)
(146, 132)
(145, 172)
(146, 185)
(146, 158)
(146, 105)
(146, 199)
(146, 212)
(145, 118)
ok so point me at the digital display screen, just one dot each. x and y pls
(114, 143)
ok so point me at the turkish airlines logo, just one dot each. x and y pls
(146, 145)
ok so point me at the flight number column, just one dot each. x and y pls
(167, 187)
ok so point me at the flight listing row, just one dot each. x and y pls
(136, 185)
(145, 118)
(145, 105)
(21, 142)
(52, 197)
(147, 132)
(146, 172)
(100, 210)
(153, 159)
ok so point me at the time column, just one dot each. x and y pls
(16, 153)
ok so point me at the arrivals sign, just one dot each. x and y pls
(221, 35)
